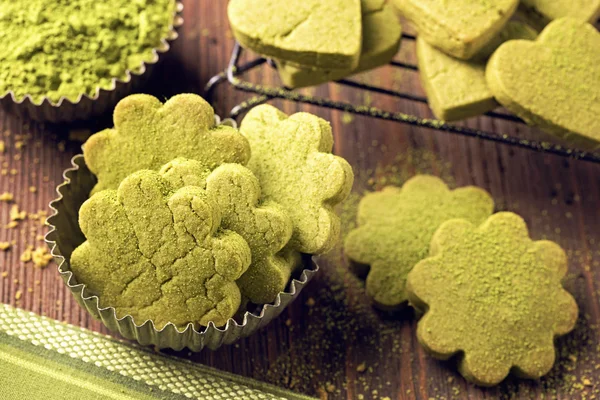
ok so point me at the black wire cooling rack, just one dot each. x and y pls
(265, 93)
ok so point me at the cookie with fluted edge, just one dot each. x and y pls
(291, 157)
(395, 227)
(148, 134)
(318, 33)
(159, 253)
(553, 82)
(459, 28)
(263, 224)
(494, 297)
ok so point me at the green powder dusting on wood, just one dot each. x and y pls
(58, 49)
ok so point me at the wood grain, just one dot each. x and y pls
(338, 347)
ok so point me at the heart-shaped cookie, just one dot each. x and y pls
(314, 33)
(457, 89)
(458, 27)
(380, 42)
(553, 82)
(540, 12)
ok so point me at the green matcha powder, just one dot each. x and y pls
(65, 48)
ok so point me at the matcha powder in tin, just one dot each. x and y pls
(56, 48)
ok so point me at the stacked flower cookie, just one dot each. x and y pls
(490, 295)
(188, 219)
(472, 57)
(315, 41)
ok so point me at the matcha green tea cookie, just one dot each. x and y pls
(160, 254)
(320, 33)
(291, 157)
(395, 227)
(541, 12)
(148, 134)
(457, 89)
(264, 225)
(554, 82)
(493, 296)
(381, 32)
(458, 27)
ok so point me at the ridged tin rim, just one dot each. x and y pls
(64, 236)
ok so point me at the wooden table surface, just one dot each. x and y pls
(331, 343)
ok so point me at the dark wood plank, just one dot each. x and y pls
(321, 348)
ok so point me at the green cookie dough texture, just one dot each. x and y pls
(160, 254)
(381, 34)
(553, 82)
(148, 134)
(264, 225)
(67, 49)
(291, 157)
(494, 296)
(541, 12)
(395, 227)
(314, 33)
(457, 89)
(459, 28)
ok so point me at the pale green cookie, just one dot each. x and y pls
(291, 157)
(263, 224)
(493, 296)
(457, 89)
(553, 82)
(381, 32)
(160, 254)
(395, 227)
(541, 12)
(319, 33)
(459, 28)
(148, 134)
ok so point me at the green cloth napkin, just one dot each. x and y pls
(44, 359)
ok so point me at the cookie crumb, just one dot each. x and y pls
(18, 295)
(16, 215)
(41, 258)
(4, 246)
(27, 254)
(32, 189)
(2, 146)
(310, 302)
(12, 224)
(362, 367)
(7, 197)
(5, 274)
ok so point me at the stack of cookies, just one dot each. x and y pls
(490, 295)
(315, 41)
(472, 56)
(190, 220)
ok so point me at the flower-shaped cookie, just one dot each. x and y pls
(396, 226)
(264, 225)
(553, 82)
(494, 296)
(291, 157)
(160, 254)
(148, 134)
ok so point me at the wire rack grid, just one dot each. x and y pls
(236, 69)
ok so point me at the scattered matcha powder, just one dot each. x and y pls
(57, 48)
